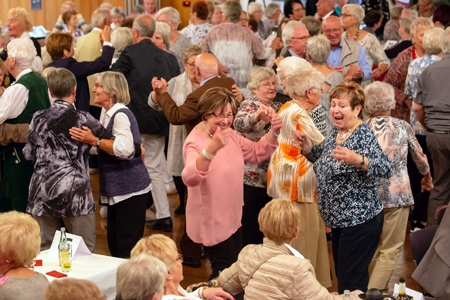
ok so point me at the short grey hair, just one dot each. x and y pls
(288, 31)
(356, 11)
(318, 48)
(396, 11)
(292, 63)
(431, 41)
(98, 17)
(232, 10)
(105, 5)
(380, 97)
(23, 50)
(121, 37)
(445, 42)
(300, 81)
(406, 23)
(115, 84)
(312, 24)
(144, 25)
(174, 15)
(271, 9)
(164, 30)
(409, 13)
(258, 74)
(254, 6)
(140, 278)
(191, 50)
(117, 11)
(421, 22)
(61, 83)
(138, 9)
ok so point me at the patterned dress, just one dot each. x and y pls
(245, 125)
(197, 33)
(396, 76)
(396, 138)
(348, 196)
(414, 70)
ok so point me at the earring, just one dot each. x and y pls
(355, 116)
(7, 261)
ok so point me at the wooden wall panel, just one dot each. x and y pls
(51, 9)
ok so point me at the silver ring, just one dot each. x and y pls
(342, 160)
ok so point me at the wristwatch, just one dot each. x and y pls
(363, 162)
(98, 143)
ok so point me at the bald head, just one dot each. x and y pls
(207, 66)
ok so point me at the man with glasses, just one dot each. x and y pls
(295, 35)
(345, 55)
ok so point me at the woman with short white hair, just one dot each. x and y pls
(178, 41)
(291, 176)
(390, 31)
(120, 38)
(252, 121)
(317, 50)
(161, 37)
(396, 138)
(351, 17)
(433, 53)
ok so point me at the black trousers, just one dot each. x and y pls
(254, 200)
(353, 250)
(126, 221)
(224, 254)
(419, 212)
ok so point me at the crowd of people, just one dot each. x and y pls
(279, 128)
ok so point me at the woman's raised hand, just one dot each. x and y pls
(345, 155)
(275, 120)
(263, 113)
(219, 140)
(159, 85)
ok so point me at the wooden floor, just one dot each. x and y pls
(404, 267)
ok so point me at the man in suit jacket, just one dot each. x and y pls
(295, 35)
(325, 9)
(89, 48)
(433, 271)
(206, 72)
(139, 63)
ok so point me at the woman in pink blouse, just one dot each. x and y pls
(214, 157)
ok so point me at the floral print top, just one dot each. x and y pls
(245, 125)
(197, 33)
(347, 195)
(414, 70)
(396, 137)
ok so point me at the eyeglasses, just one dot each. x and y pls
(98, 86)
(269, 84)
(302, 38)
(346, 15)
(192, 65)
(179, 258)
(335, 30)
(223, 117)
(242, 19)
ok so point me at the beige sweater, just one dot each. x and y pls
(280, 275)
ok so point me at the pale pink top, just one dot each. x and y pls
(215, 197)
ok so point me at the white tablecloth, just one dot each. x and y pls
(99, 269)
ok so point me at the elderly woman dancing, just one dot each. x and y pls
(348, 165)
(274, 269)
(20, 243)
(351, 17)
(291, 175)
(214, 157)
(318, 49)
(396, 138)
(252, 121)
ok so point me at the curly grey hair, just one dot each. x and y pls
(300, 81)
(421, 22)
(291, 64)
(173, 14)
(380, 97)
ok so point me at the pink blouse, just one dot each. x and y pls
(215, 196)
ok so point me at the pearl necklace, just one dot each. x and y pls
(209, 133)
(355, 37)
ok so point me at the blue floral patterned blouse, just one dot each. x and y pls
(347, 195)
